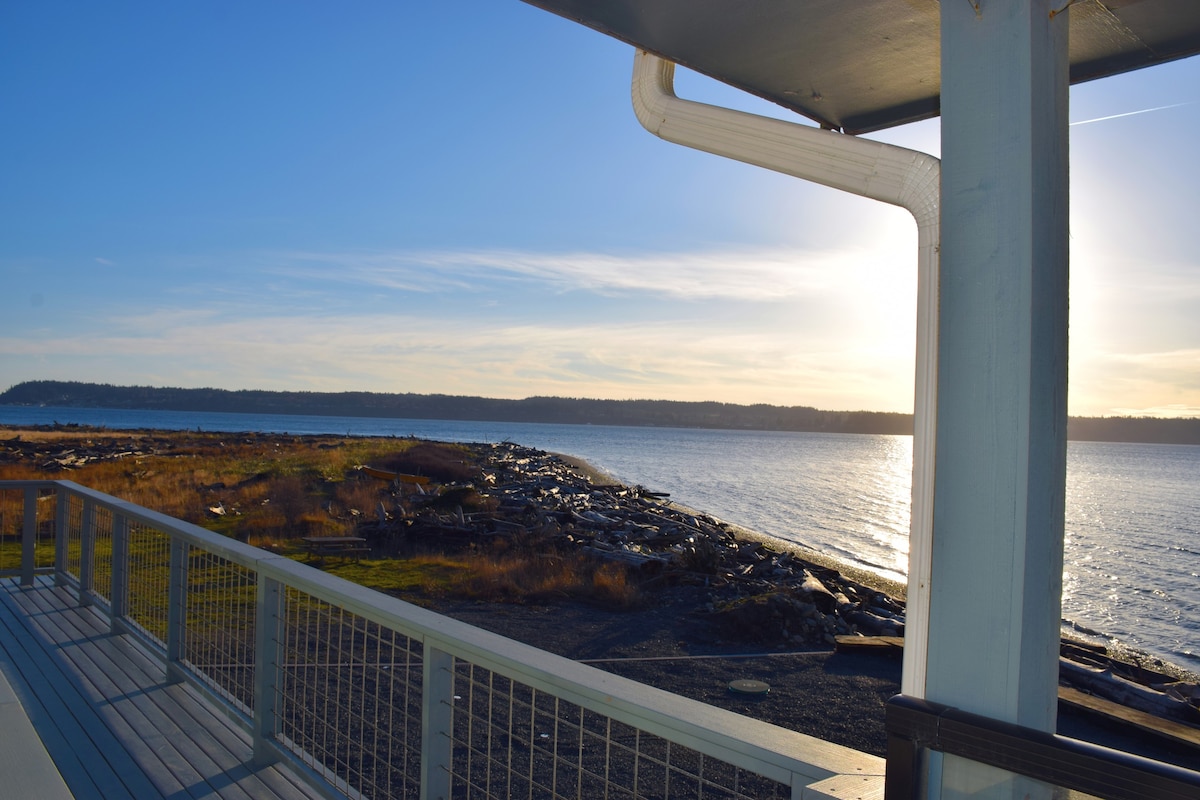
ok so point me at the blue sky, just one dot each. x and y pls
(457, 198)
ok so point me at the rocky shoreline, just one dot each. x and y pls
(756, 591)
(750, 591)
(765, 593)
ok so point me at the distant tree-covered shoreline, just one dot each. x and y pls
(563, 410)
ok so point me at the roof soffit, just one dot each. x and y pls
(868, 64)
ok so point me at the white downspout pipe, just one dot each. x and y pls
(876, 170)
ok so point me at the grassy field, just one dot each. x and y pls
(272, 490)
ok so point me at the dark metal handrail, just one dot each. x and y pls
(914, 725)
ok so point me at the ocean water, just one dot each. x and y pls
(1132, 553)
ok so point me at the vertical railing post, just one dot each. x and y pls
(176, 608)
(437, 723)
(29, 536)
(120, 573)
(87, 552)
(268, 629)
(62, 532)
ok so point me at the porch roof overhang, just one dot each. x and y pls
(865, 65)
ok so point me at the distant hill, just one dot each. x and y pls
(576, 411)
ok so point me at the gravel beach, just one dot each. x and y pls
(838, 697)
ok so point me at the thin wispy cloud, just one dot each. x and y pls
(756, 325)
(751, 274)
(1171, 363)
(1134, 380)
(650, 359)
(1129, 114)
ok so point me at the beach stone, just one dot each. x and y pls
(749, 686)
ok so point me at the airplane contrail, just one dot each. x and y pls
(1128, 114)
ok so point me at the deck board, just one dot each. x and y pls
(110, 721)
(188, 723)
(178, 767)
(60, 716)
(168, 719)
(27, 768)
(105, 681)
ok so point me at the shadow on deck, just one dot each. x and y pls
(108, 718)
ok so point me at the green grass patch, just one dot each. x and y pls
(429, 575)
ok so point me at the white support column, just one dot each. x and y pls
(996, 581)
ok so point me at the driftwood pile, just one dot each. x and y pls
(56, 457)
(756, 591)
(1149, 688)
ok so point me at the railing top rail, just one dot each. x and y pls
(44, 483)
(1047, 757)
(777, 752)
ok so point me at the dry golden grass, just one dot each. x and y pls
(513, 577)
(272, 490)
(276, 486)
(445, 463)
(533, 569)
(360, 496)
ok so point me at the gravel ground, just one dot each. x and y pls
(839, 697)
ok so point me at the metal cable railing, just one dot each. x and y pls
(374, 697)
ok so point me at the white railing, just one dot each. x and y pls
(374, 697)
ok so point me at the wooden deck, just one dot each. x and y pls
(108, 719)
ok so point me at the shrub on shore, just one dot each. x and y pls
(491, 577)
(445, 463)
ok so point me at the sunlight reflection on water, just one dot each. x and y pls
(1132, 549)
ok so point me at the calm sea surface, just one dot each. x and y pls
(1133, 510)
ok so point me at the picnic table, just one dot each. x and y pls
(336, 545)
